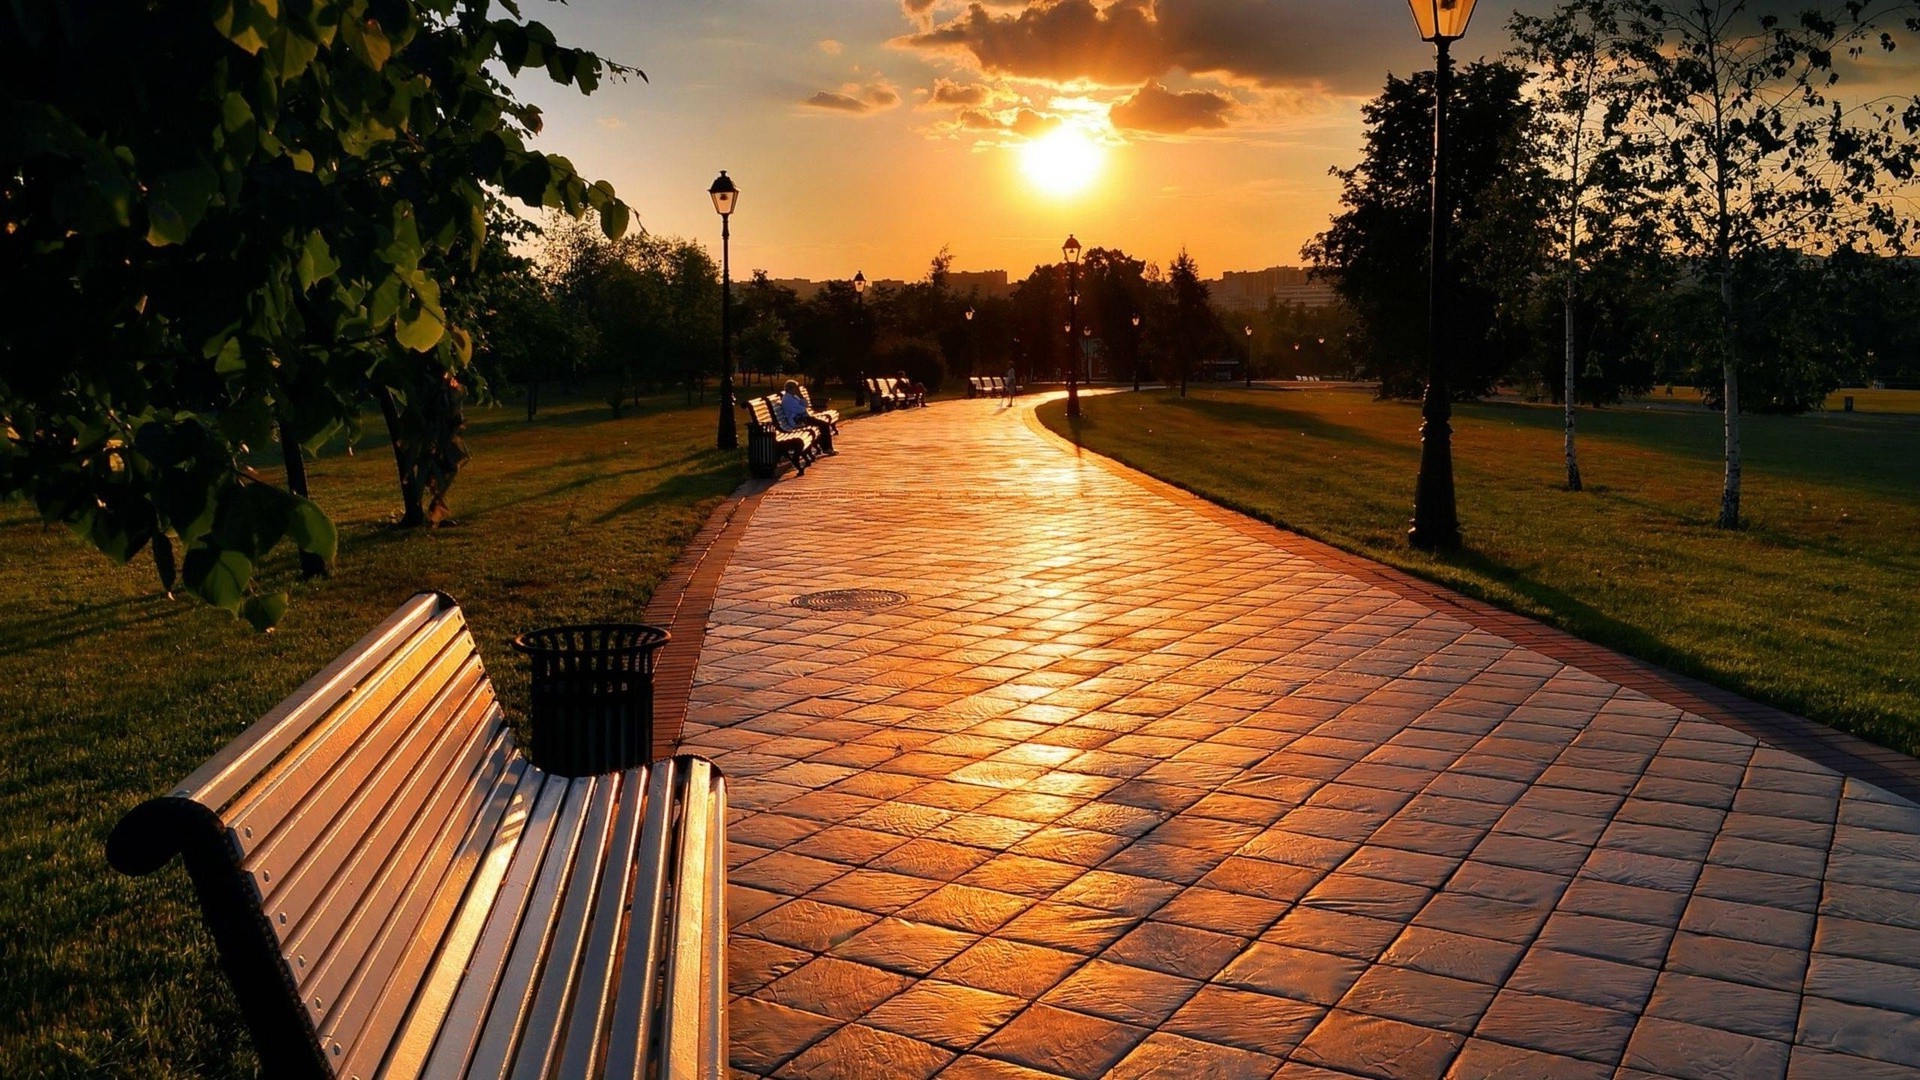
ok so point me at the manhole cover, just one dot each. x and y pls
(850, 600)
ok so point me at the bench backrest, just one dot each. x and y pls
(762, 414)
(360, 852)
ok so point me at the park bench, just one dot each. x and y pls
(767, 443)
(396, 891)
(881, 396)
(829, 417)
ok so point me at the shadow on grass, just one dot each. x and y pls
(681, 487)
(1265, 415)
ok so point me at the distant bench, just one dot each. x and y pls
(886, 394)
(988, 386)
(396, 892)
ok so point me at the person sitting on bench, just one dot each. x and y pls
(916, 394)
(794, 414)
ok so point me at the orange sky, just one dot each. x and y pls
(866, 134)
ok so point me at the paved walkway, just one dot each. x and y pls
(1122, 791)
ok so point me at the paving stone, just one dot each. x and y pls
(1116, 991)
(1458, 956)
(1863, 1031)
(1556, 1026)
(975, 1067)
(858, 1052)
(1432, 1001)
(752, 964)
(901, 945)
(946, 1014)
(1373, 1046)
(1060, 1041)
(877, 892)
(1737, 961)
(763, 1035)
(1480, 1059)
(828, 986)
(1866, 941)
(808, 925)
(1080, 929)
(1246, 1019)
(1165, 1054)
(1605, 983)
(1302, 974)
(1690, 1052)
(1010, 967)
(1176, 950)
(1728, 1006)
(1812, 1063)
(1607, 939)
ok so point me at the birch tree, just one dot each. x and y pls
(1752, 152)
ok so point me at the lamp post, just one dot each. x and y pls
(1136, 353)
(973, 349)
(1436, 518)
(1249, 331)
(860, 330)
(1071, 250)
(725, 198)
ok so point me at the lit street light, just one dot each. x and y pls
(1436, 518)
(725, 198)
(1249, 331)
(1136, 353)
(860, 302)
(1071, 249)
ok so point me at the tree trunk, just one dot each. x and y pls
(533, 399)
(414, 513)
(1730, 403)
(311, 565)
(1573, 459)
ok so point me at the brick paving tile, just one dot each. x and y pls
(1134, 786)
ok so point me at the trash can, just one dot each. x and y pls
(592, 696)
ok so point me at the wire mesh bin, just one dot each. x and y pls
(592, 696)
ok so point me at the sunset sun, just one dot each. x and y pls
(1064, 161)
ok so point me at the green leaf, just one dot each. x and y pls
(248, 422)
(218, 577)
(316, 261)
(177, 202)
(419, 327)
(313, 532)
(229, 361)
(264, 612)
(614, 220)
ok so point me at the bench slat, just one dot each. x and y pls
(224, 775)
(282, 787)
(587, 1032)
(514, 992)
(689, 978)
(428, 1010)
(559, 968)
(416, 906)
(354, 820)
(460, 1034)
(628, 1054)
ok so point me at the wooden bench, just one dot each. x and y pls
(767, 443)
(830, 417)
(395, 891)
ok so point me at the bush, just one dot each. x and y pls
(920, 358)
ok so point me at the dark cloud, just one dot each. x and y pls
(1157, 109)
(853, 98)
(1270, 43)
(948, 92)
(1024, 122)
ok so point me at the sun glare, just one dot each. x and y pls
(1064, 161)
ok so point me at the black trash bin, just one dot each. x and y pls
(592, 696)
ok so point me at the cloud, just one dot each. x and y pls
(1023, 122)
(830, 46)
(1157, 109)
(967, 95)
(857, 98)
(611, 123)
(1269, 43)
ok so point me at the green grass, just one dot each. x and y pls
(1865, 399)
(112, 692)
(1814, 607)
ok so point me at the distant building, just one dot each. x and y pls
(988, 283)
(1286, 284)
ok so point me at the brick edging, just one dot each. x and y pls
(684, 600)
(1837, 750)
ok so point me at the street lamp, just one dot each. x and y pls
(1249, 331)
(1436, 518)
(972, 350)
(1071, 250)
(860, 302)
(1136, 353)
(725, 198)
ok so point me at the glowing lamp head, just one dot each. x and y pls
(969, 314)
(1136, 320)
(1442, 20)
(1248, 329)
(1071, 249)
(725, 195)
(859, 283)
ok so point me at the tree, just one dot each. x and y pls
(1581, 86)
(1753, 157)
(226, 222)
(1376, 249)
(1194, 326)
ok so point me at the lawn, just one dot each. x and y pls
(113, 692)
(1814, 607)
